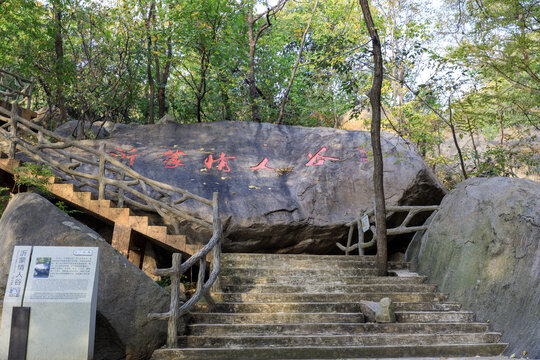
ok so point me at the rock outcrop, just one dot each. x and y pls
(483, 247)
(282, 188)
(125, 295)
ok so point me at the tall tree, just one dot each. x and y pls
(375, 100)
(299, 57)
(254, 34)
(59, 65)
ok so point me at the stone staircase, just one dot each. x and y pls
(308, 307)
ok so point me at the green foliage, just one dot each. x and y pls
(4, 198)
(34, 176)
(65, 208)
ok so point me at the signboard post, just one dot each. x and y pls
(61, 291)
(13, 297)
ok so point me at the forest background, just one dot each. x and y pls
(455, 69)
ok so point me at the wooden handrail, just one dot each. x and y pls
(30, 139)
(403, 228)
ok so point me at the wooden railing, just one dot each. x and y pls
(401, 229)
(203, 288)
(15, 88)
(112, 179)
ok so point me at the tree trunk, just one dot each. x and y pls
(59, 66)
(298, 58)
(375, 100)
(149, 65)
(452, 127)
(471, 134)
(253, 94)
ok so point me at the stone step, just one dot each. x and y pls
(334, 297)
(276, 318)
(331, 352)
(335, 329)
(336, 307)
(427, 306)
(328, 288)
(322, 279)
(285, 257)
(286, 271)
(307, 307)
(308, 263)
(336, 340)
(435, 316)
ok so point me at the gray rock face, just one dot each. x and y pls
(483, 248)
(282, 188)
(74, 128)
(125, 295)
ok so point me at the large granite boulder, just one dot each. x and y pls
(483, 247)
(125, 294)
(282, 188)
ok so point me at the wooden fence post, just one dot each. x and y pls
(172, 330)
(14, 114)
(101, 183)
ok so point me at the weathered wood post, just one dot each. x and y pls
(101, 183)
(172, 315)
(13, 145)
(361, 237)
(216, 252)
(120, 203)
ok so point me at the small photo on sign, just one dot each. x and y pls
(42, 268)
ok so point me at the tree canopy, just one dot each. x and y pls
(467, 67)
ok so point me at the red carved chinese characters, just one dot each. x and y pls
(223, 162)
(124, 154)
(262, 165)
(363, 154)
(173, 159)
(318, 159)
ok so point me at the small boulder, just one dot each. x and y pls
(369, 309)
(385, 312)
(166, 119)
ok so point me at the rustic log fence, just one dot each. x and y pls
(15, 88)
(113, 181)
(403, 228)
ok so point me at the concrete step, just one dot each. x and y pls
(276, 318)
(307, 263)
(335, 329)
(334, 297)
(322, 279)
(331, 352)
(305, 307)
(287, 271)
(337, 340)
(435, 316)
(286, 257)
(328, 288)
(427, 306)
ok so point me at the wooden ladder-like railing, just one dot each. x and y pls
(366, 222)
(115, 183)
(118, 184)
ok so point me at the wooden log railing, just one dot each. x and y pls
(403, 228)
(15, 88)
(112, 179)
